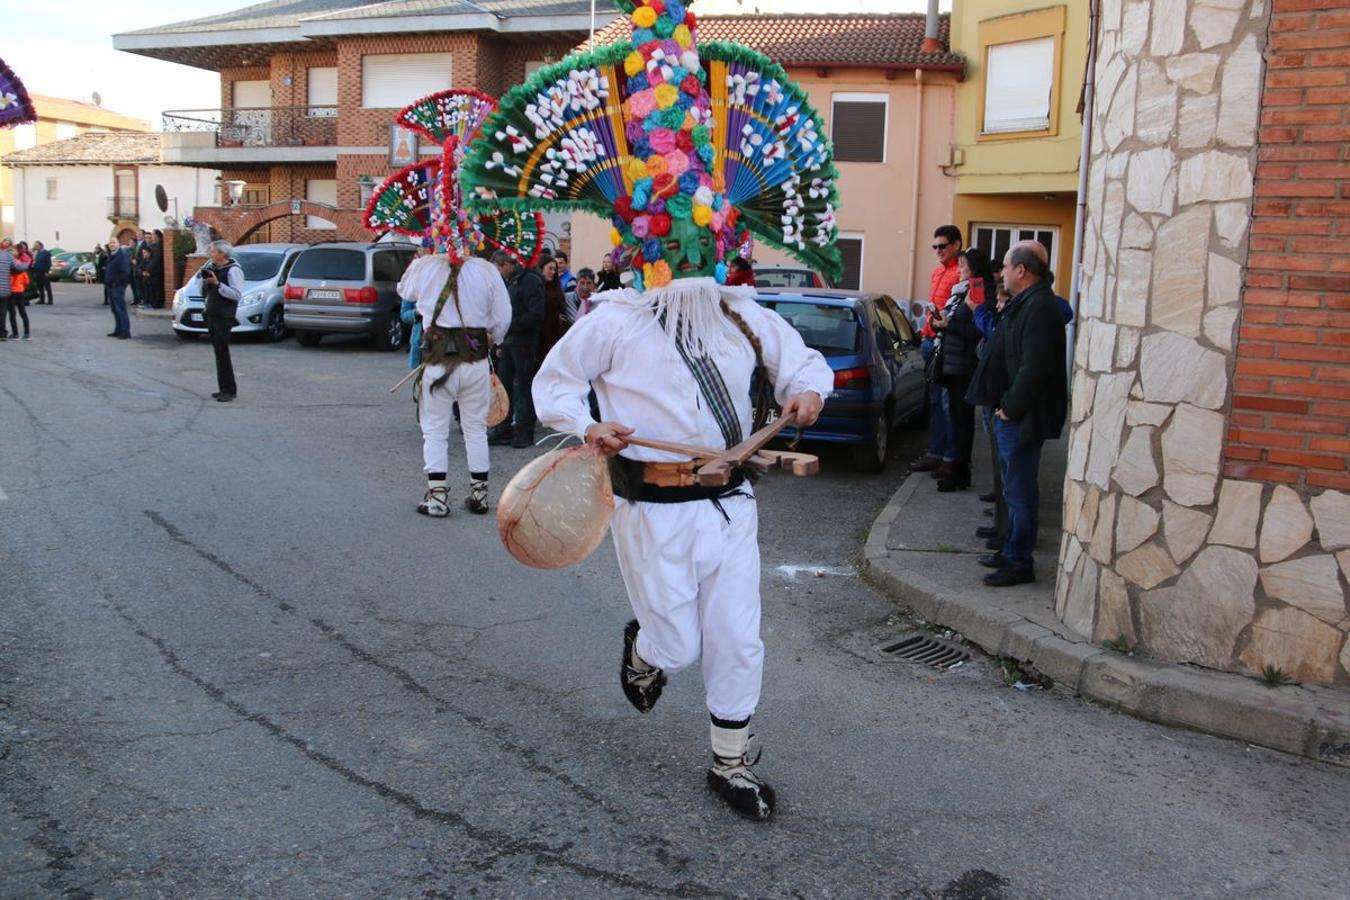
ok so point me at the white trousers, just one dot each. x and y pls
(693, 580)
(470, 387)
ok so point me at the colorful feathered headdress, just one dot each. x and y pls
(16, 107)
(425, 199)
(688, 149)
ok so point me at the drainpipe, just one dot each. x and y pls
(931, 44)
(914, 199)
(1084, 157)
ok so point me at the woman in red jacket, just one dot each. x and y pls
(18, 287)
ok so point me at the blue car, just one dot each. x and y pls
(878, 369)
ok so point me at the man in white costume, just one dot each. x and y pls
(689, 555)
(464, 309)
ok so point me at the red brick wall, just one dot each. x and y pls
(1291, 406)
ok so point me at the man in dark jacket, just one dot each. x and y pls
(41, 273)
(1027, 383)
(116, 279)
(519, 350)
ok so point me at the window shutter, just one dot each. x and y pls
(393, 80)
(859, 131)
(851, 249)
(1017, 84)
(252, 94)
(323, 91)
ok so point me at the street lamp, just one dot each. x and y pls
(235, 189)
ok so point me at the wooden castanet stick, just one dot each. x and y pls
(718, 470)
(694, 453)
(406, 378)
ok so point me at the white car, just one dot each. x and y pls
(260, 310)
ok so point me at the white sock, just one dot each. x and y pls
(729, 743)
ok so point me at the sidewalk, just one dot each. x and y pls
(922, 550)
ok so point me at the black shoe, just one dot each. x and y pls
(123, 337)
(1009, 576)
(994, 543)
(986, 531)
(113, 334)
(522, 441)
(989, 513)
(477, 501)
(216, 395)
(641, 688)
(224, 398)
(738, 785)
(925, 464)
(992, 561)
(499, 438)
(948, 485)
(944, 470)
(990, 497)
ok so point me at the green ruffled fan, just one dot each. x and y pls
(424, 199)
(657, 134)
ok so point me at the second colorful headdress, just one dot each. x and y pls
(425, 199)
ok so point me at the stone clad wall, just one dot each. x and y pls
(1159, 546)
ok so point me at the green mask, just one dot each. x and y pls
(690, 251)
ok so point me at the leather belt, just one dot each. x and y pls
(659, 474)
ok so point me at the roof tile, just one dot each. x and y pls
(822, 40)
(92, 148)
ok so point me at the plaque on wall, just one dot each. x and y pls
(402, 146)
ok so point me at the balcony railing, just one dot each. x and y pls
(123, 208)
(276, 126)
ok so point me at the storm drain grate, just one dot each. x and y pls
(925, 650)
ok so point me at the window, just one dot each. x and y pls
(995, 240)
(851, 246)
(320, 190)
(366, 184)
(388, 265)
(252, 94)
(1018, 82)
(258, 266)
(25, 136)
(393, 80)
(858, 127)
(1021, 58)
(66, 130)
(832, 330)
(51, 188)
(323, 92)
(330, 264)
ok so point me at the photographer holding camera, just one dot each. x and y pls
(223, 286)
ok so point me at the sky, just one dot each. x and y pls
(67, 52)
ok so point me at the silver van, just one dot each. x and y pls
(348, 288)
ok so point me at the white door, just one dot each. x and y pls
(253, 113)
(320, 190)
(323, 92)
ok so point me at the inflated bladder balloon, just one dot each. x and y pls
(500, 405)
(555, 511)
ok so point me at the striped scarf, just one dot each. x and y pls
(714, 390)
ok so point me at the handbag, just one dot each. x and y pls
(932, 368)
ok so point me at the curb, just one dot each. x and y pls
(1308, 721)
(140, 313)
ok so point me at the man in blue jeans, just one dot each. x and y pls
(1027, 383)
(941, 434)
(115, 280)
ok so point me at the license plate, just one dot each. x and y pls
(324, 295)
(194, 319)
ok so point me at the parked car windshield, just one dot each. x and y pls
(784, 278)
(833, 330)
(330, 264)
(259, 266)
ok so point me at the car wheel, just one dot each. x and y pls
(185, 335)
(276, 325)
(870, 458)
(308, 338)
(391, 337)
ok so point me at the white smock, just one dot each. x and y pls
(484, 303)
(691, 569)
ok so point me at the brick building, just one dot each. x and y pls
(1207, 506)
(309, 88)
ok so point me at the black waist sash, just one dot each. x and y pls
(626, 476)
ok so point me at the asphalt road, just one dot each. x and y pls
(234, 662)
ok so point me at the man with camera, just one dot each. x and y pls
(223, 286)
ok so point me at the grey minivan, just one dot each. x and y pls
(348, 288)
